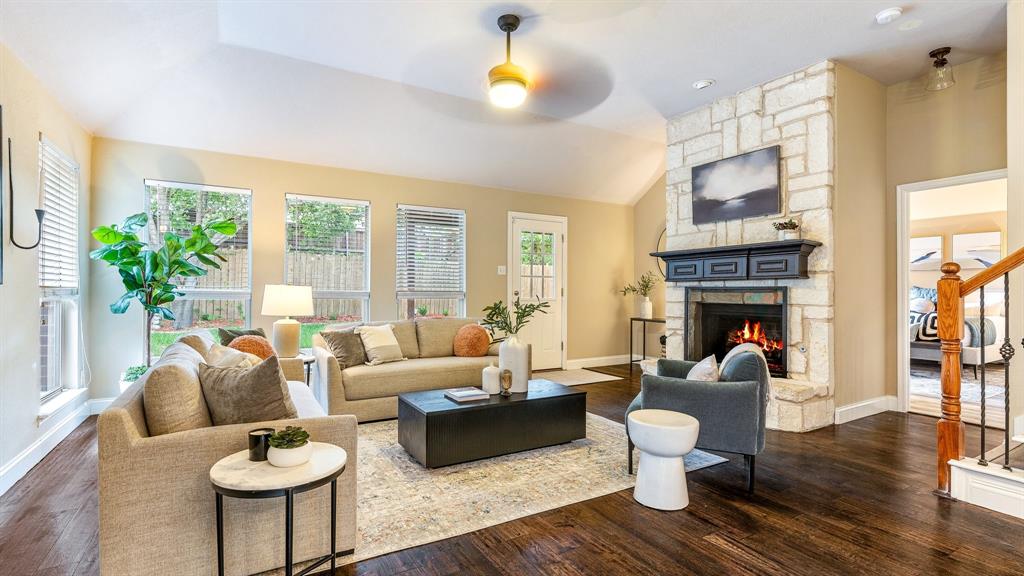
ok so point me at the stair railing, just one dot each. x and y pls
(950, 315)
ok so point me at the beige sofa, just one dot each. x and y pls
(157, 506)
(371, 392)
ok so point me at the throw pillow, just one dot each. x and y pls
(926, 293)
(922, 305)
(241, 395)
(198, 343)
(929, 328)
(437, 335)
(380, 344)
(226, 335)
(347, 347)
(171, 395)
(405, 333)
(257, 345)
(228, 357)
(472, 341)
(705, 371)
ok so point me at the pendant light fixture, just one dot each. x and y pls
(941, 76)
(508, 82)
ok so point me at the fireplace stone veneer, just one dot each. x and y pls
(797, 112)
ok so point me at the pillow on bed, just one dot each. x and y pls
(922, 305)
(926, 293)
(929, 327)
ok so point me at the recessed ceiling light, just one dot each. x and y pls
(702, 84)
(888, 15)
(910, 25)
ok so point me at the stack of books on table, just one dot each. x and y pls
(467, 394)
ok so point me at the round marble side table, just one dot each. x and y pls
(238, 477)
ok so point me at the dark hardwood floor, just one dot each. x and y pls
(850, 499)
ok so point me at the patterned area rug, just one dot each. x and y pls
(575, 377)
(402, 504)
(929, 384)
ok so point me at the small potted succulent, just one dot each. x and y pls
(643, 288)
(788, 229)
(289, 447)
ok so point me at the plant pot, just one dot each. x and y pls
(288, 457)
(789, 234)
(514, 355)
(647, 308)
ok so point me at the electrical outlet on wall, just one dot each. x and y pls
(502, 270)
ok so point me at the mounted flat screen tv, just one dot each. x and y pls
(739, 187)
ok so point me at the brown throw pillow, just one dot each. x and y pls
(226, 335)
(346, 346)
(405, 333)
(241, 395)
(257, 345)
(472, 341)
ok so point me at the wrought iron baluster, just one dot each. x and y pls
(1006, 351)
(981, 459)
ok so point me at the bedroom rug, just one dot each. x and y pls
(401, 504)
(929, 385)
(575, 377)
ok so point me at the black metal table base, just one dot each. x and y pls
(643, 337)
(289, 532)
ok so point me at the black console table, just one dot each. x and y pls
(643, 336)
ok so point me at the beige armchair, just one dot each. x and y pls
(157, 512)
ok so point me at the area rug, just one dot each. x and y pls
(928, 385)
(402, 504)
(575, 377)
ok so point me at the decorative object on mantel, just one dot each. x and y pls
(148, 272)
(764, 260)
(787, 229)
(738, 187)
(289, 447)
(643, 288)
(513, 354)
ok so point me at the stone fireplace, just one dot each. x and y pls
(719, 319)
(797, 113)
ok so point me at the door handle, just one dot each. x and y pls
(515, 292)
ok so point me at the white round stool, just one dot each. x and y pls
(663, 437)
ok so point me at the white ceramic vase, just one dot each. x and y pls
(514, 355)
(288, 457)
(491, 379)
(647, 308)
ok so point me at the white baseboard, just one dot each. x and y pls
(29, 457)
(865, 408)
(97, 405)
(596, 361)
(989, 486)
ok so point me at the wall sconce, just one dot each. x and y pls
(941, 75)
(40, 213)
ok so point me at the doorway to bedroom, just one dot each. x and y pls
(961, 219)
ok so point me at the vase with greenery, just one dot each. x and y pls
(643, 288)
(150, 273)
(289, 447)
(513, 354)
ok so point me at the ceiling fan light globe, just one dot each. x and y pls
(508, 93)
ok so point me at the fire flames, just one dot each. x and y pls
(753, 333)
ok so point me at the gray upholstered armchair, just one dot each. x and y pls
(731, 411)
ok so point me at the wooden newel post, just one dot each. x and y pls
(950, 429)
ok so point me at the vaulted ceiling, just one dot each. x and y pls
(399, 87)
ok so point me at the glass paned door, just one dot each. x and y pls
(536, 273)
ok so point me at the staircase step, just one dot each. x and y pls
(991, 486)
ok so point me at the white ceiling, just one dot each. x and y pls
(399, 87)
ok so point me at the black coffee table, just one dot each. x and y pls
(438, 432)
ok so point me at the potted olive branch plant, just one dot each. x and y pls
(643, 287)
(289, 447)
(513, 355)
(148, 273)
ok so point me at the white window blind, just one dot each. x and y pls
(58, 250)
(431, 258)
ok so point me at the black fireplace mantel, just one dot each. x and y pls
(764, 260)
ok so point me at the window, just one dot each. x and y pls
(58, 272)
(222, 298)
(431, 261)
(328, 248)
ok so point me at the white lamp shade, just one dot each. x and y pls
(283, 300)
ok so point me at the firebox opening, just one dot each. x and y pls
(736, 317)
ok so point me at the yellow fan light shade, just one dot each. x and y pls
(509, 85)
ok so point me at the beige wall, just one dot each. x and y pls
(648, 224)
(860, 324)
(600, 239)
(28, 110)
(930, 135)
(1015, 191)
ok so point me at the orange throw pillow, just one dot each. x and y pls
(257, 345)
(472, 341)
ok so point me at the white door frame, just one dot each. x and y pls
(903, 192)
(564, 222)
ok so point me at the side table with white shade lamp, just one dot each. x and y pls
(287, 301)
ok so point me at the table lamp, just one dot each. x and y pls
(287, 301)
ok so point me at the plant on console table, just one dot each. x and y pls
(149, 273)
(643, 287)
(513, 354)
(289, 447)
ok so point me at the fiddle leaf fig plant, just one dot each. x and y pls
(499, 318)
(148, 272)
